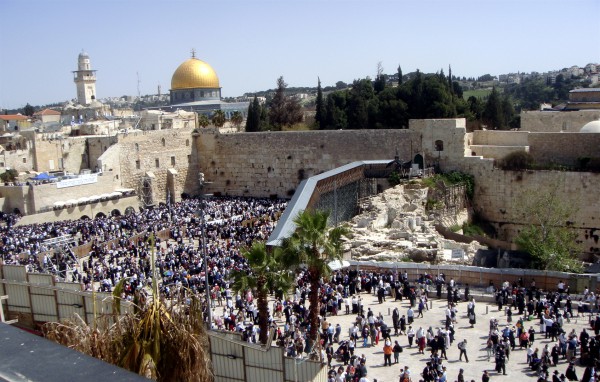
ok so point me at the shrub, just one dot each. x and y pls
(517, 161)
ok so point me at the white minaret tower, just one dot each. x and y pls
(85, 80)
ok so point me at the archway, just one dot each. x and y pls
(100, 215)
(418, 160)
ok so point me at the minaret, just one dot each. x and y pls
(85, 80)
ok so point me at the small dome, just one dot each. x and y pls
(591, 127)
(194, 74)
(84, 54)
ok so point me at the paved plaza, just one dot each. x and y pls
(516, 368)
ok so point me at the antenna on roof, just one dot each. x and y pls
(138, 83)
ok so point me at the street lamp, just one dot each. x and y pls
(200, 213)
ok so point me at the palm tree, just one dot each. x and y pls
(218, 118)
(203, 120)
(266, 275)
(313, 245)
(237, 118)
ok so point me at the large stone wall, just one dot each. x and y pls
(563, 148)
(500, 198)
(274, 163)
(557, 121)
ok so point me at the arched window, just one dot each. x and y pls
(137, 147)
(439, 145)
(164, 143)
(187, 142)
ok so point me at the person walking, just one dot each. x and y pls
(397, 349)
(462, 346)
(411, 336)
(485, 377)
(461, 376)
(387, 353)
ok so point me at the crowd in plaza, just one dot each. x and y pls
(231, 224)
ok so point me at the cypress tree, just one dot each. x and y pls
(399, 75)
(321, 112)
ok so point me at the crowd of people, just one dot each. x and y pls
(231, 224)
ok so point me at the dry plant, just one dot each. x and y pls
(162, 340)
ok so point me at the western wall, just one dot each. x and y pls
(274, 163)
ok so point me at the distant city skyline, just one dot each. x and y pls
(251, 43)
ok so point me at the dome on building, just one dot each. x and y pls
(591, 127)
(194, 74)
(84, 54)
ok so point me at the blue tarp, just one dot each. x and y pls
(43, 176)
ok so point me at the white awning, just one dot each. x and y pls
(83, 200)
(94, 198)
(124, 190)
(116, 193)
(71, 202)
(59, 204)
(337, 264)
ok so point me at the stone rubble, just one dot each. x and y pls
(394, 226)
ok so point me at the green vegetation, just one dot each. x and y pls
(267, 274)
(516, 161)
(284, 110)
(373, 105)
(549, 239)
(471, 229)
(312, 246)
(453, 178)
(10, 175)
(477, 93)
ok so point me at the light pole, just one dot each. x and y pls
(202, 242)
(206, 285)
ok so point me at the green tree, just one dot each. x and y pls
(321, 111)
(253, 119)
(28, 110)
(203, 120)
(218, 119)
(283, 109)
(399, 75)
(492, 112)
(379, 83)
(266, 274)
(237, 118)
(313, 245)
(548, 237)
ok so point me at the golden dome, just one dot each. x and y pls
(193, 74)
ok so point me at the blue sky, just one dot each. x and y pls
(251, 43)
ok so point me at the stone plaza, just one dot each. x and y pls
(517, 368)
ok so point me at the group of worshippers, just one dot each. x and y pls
(551, 310)
(231, 224)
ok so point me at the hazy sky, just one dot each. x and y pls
(251, 43)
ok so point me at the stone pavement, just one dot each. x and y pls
(516, 369)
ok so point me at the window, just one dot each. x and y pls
(164, 143)
(157, 162)
(137, 164)
(187, 142)
(24, 160)
(439, 145)
(189, 159)
(137, 147)
(172, 161)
